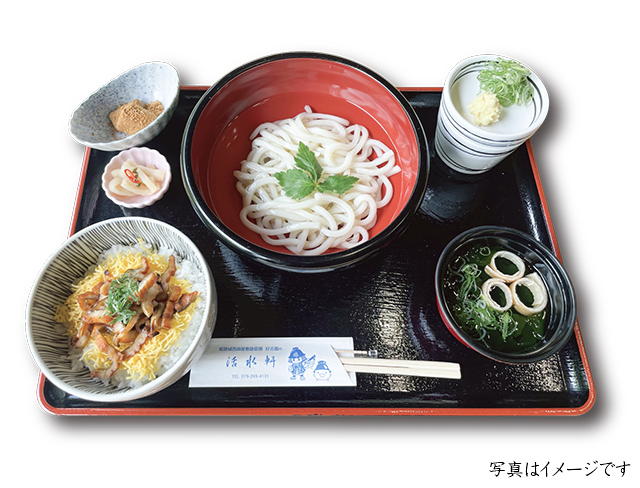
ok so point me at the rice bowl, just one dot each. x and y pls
(47, 337)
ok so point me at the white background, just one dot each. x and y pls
(57, 53)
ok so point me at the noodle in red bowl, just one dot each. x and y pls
(248, 129)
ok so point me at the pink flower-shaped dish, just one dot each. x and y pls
(142, 157)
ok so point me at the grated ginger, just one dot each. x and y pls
(485, 109)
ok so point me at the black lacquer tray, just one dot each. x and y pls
(387, 303)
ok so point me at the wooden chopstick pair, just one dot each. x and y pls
(431, 369)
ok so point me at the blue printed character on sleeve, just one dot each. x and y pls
(299, 363)
(322, 371)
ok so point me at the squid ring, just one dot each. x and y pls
(535, 285)
(492, 269)
(489, 285)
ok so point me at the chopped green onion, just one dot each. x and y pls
(123, 292)
(508, 80)
(474, 308)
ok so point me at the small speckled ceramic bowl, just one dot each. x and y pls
(142, 156)
(90, 124)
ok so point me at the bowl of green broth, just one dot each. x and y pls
(504, 294)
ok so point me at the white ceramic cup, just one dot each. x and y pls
(469, 148)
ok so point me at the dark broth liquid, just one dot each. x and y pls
(528, 329)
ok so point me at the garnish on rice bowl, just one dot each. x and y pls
(128, 318)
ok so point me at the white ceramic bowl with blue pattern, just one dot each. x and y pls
(90, 124)
(472, 149)
(50, 346)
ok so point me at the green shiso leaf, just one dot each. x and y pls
(302, 181)
(306, 161)
(337, 184)
(296, 183)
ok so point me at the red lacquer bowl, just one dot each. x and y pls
(216, 140)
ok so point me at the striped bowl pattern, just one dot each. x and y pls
(469, 148)
(47, 342)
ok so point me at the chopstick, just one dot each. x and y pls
(431, 369)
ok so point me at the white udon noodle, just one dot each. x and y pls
(320, 221)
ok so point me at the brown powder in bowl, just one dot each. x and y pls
(155, 107)
(133, 116)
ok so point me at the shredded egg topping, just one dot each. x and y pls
(145, 362)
